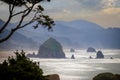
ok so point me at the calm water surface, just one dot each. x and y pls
(81, 68)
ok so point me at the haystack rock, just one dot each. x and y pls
(51, 49)
(99, 55)
(90, 49)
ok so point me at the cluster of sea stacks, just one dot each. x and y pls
(49, 49)
(99, 54)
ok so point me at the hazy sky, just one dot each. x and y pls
(103, 12)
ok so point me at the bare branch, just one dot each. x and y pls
(30, 9)
(15, 29)
(22, 18)
(24, 15)
(21, 12)
(26, 24)
(12, 8)
(10, 17)
(8, 36)
(26, 6)
(19, 24)
(12, 31)
(38, 16)
(9, 7)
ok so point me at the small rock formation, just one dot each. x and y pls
(107, 76)
(51, 49)
(99, 55)
(72, 57)
(111, 57)
(90, 49)
(53, 77)
(72, 50)
(90, 57)
(31, 55)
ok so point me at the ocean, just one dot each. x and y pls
(81, 68)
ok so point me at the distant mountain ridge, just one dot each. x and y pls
(18, 41)
(76, 34)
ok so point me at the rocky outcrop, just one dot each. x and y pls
(72, 57)
(111, 57)
(72, 50)
(99, 55)
(51, 49)
(107, 76)
(90, 57)
(32, 55)
(90, 49)
(53, 77)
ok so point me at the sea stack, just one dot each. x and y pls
(99, 55)
(72, 57)
(90, 49)
(72, 50)
(32, 55)
(51, 49)
(90, 57)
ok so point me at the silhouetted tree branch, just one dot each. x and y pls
(30, 6)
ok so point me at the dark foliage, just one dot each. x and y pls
(22, 2)
(20, 68)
